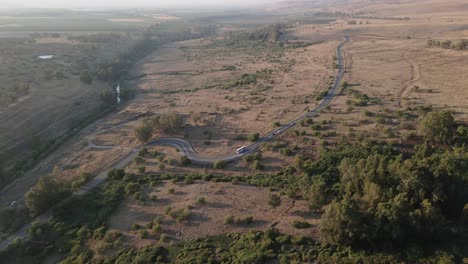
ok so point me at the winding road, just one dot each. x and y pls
(187, 150)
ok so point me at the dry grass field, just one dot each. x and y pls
(208, 218)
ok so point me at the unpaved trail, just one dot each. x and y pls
(415, 76)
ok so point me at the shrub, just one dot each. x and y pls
(116, 174)
(132, 188)
(163, 238)
(141, 169)
(380, 120)
(301, 225)
(81, 181)
(219, 164)
(229, 220)
(277, 124)
(200, 200)
(275, 200)
(136, 227)
(180, 215)
(286, 151)
(253, 137)
(167, 210)
(185, 161)
(171, 191)
(321, 95)
(143, 233)
(143, 152)
(156, 228)
(256, 165)
(244, 221)
(189, 179)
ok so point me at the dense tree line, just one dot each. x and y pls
(268, 33)
(448, 44)
(168, 123)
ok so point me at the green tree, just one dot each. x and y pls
(438, 127)
(144, 131)
(170, 122)
(47, 192)
(317, 194)
(253, 137)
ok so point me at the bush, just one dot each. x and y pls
(185, 161)
(244, 221)
(116, 174)
(132, 188)
(321, 95)
(200, 200)
(180, 215)
(141, 169)
(301, 225)
(219, 164)
(143, 233)
(81, 181)
(229, 220)
(286, 151)
(189, 179)
(253, 137)
(156, 228)
(136, 227)
(163, 238)
(275, 200)
(256, 165)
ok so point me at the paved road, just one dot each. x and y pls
(187, 150)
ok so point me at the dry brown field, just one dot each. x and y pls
(222, 200)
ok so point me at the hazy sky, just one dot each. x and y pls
(122, 3)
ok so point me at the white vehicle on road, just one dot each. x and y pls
(241, 149)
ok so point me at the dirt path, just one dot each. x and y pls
(415, 76)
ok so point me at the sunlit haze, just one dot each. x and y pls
(124, 3)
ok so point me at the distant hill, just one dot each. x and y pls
(372, 7)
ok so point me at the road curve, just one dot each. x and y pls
(185, 149)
